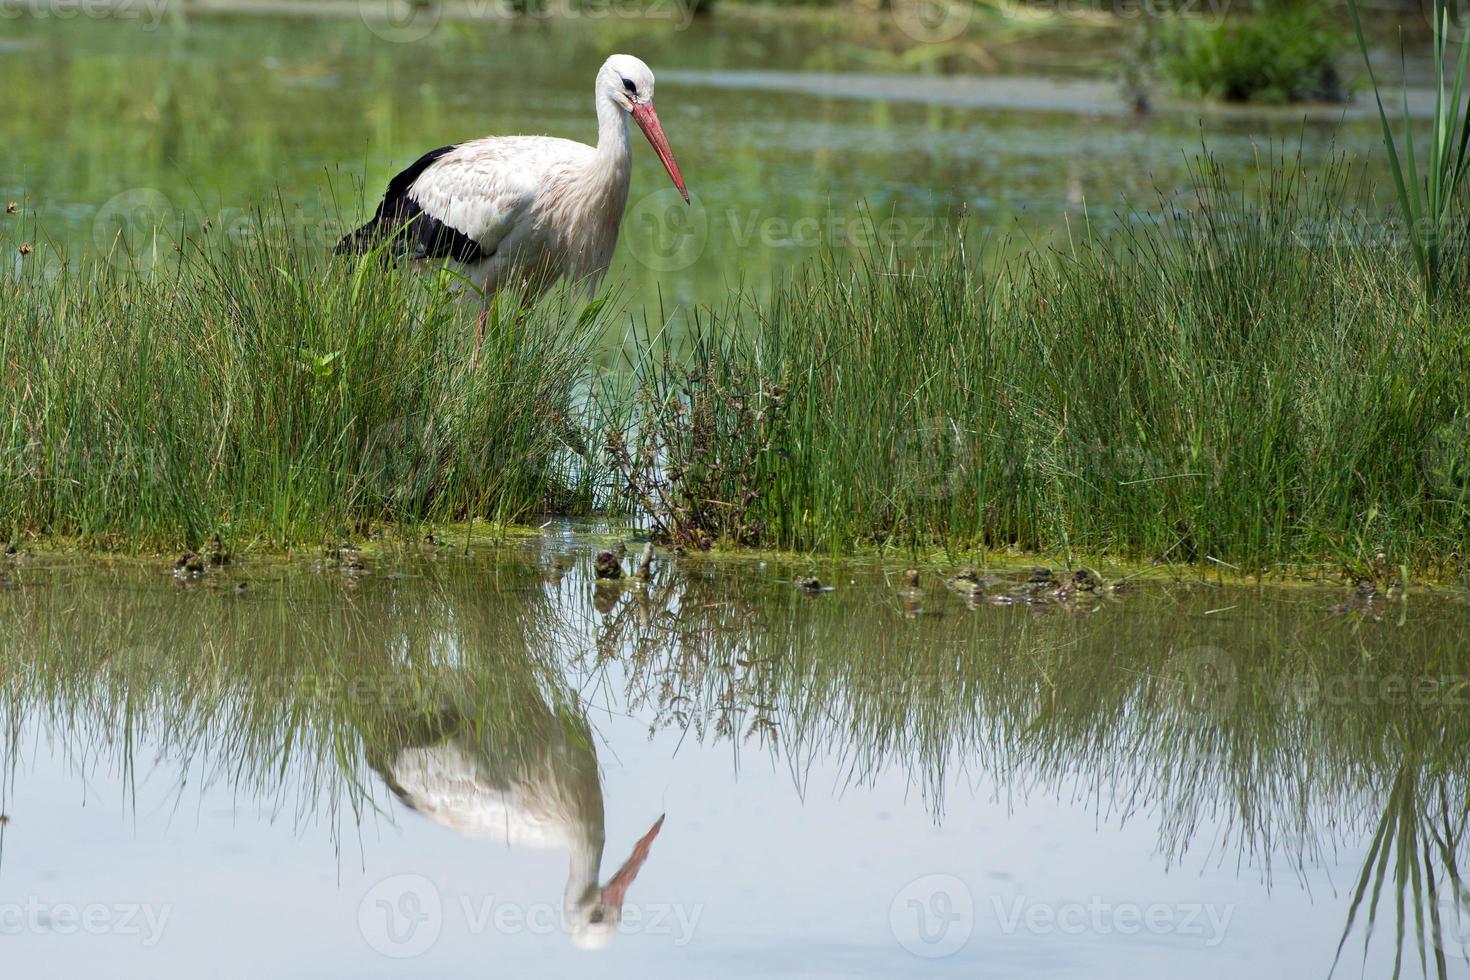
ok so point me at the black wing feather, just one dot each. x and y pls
(418, 235)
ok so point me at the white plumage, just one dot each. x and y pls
(525, 211)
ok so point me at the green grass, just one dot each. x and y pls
(1247, 382)
(1278, 54)
(1255, 381)
(266, 391)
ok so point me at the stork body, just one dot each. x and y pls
(524, 211)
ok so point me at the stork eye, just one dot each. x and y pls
(628, 84)
(595, 917)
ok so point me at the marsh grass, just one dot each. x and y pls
(1244, 374)
(263, 389)
(1246, 378)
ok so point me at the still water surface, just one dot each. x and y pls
(415, 768)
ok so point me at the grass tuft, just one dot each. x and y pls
(1246, 381)
(275, 394)
(1277, 54)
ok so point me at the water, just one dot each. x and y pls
(114, 126)
(1178, 779)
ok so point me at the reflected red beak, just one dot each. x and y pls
(616, 890)
(647, 120)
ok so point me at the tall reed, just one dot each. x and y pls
(1431, 203)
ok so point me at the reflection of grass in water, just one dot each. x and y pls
(1274, 722)
(1279, 729)
(1148, 698)
(1289, 733)
(1423, 835)
(283, 696)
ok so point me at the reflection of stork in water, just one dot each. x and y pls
(534, 783)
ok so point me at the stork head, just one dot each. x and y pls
(628, 83)
(593, 921)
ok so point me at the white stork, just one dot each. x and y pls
(524, 211)
(535, 784)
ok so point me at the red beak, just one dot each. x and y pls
(647, 121)
(616, 890)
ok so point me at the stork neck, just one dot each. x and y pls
(613, 151)
(586, 865)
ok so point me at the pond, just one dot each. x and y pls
(790, 143)
(458, 761)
